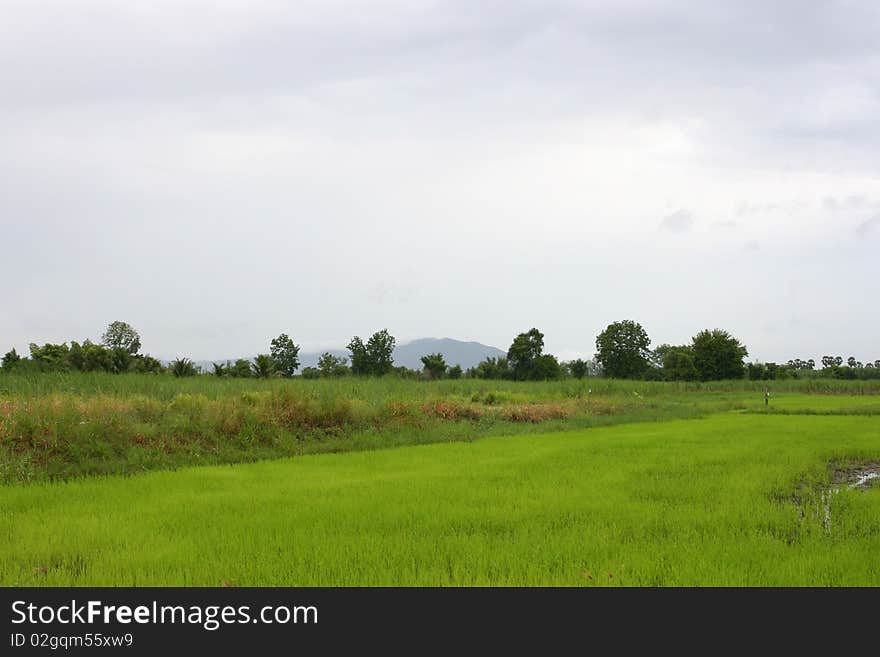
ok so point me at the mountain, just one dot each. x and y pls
(456, 352)
(409, 354)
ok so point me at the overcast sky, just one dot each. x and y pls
(218, 172)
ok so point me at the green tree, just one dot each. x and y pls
(756, 371)
(285, 354)
(241, 369)
(454, 372)
(90, 357)
(524, 350)
(52, 357)
(120, 335)
(380, 348)
(10, 359)
(311, 373)
(375, 357)
(121, 359)
(678, 364)
(718, 355)
(545, 368)
(360, 359)
(435, 365)
(491, 368)
(404, 372)
(181, 367)
(578, 368)
(145, 364)
(220, 369)
(622, 350)
(332, 366)
(263, 366)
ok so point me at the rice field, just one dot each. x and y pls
(736, 497)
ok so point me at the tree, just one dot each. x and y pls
(404, 372)
(10, 359)
(578, 368)
(454, 372)
(219, 369)
(182, 367)
(380, 348)
(622, 350)
(310, 373)
(240, 369)
(53, 357)
(375, 357)
(678, 364)
(435, 365)
(718, 355)
(331, 366)
(360, 360)
(545, 368)
(263, 366)
(145, 365)
(798, 364)
(756, 371)
(524, 350)
(122, 336)
(285, 354)
(90, 357)
(121, 360)
(491, 368)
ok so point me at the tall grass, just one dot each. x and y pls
(60, 426)
(166, 387)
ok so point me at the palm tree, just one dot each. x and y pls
(183, 367)
(263, 366)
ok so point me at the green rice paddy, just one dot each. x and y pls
(733, 497)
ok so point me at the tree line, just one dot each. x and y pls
(622, 351)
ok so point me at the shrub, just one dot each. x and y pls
(182, 367)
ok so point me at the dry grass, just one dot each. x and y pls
(450, 409)
(536, 412)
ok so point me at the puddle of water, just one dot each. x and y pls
(862, 480)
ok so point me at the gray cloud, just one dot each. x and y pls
(679, 221)
(216, 173)
(868, 226)
(849, 203)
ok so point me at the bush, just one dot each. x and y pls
(181, 367)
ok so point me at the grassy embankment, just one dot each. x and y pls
(62, 426)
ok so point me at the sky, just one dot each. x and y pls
(216, 173)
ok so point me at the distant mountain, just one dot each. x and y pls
(455, 352)
(409, 354)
